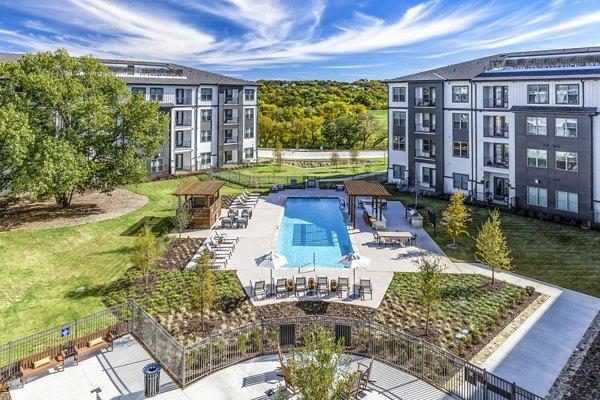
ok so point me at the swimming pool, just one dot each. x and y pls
(313, 227)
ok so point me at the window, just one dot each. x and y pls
(399, 171)
(249, 152)
(537, 94)
(461, 181)
(566, 127)
(566, 201)
(566, 161)
(180, 139)
(230, 136)
(205, 94)
(567, 94)
(249, 94)
(206, 115)
(495, 96)
(183, 96)
(536, 126)
(156, 94)
(460, 94)
(460, 121)
(537, 196)
(428, 176)
(228, 95)
(229, 116)
(249, 113)
(399, 94)
(249, 132)
(178, 161)
(204, 158)
(157, 165)
(460, 149)
(136, 90)
(399, 142)
(228, 156)
(537, 158)
(183, 118)
(399, 118)
(206, 135)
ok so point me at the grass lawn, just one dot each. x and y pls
(563, 255)
(342, 170)
(41, 269)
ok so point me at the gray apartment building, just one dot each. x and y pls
(517, 128)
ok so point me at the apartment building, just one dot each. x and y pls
(518, 128)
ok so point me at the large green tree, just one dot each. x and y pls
(69, 125)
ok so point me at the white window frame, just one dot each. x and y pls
(565, 97)
(250, 92)
(537, 196)
(460, 121)
(569, 199)
(400, 96)
(562, 127)
(459, 95)
(157, 168)
(399, 171)
(535, 154)
(568, 160)
(464, 181)
(537, 126)
(537, 91)
(463, 149)
(204, 96)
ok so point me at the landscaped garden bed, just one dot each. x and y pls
(179, 252)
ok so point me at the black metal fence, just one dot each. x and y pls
(187, 364)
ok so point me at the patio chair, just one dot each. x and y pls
(343, 283)
(221, 246)
(366, 376)
(288, 378)
(280, 187)
(242, 222)
(355, 389)
(247, 213)
(212, 249)
(413, 239)
(376, 238)
(251, 194)
(232, 213)
(226, 222)
(224, 237)
(259, 288)
(281, 286)
(322, 285)
(365, 288)
(300, 285)
(274, 189)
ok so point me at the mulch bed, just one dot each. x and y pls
(585, 384)
(301, 308)
(179, 253)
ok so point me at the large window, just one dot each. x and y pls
(399, 118)
(157, 165)
(567, 201)
(399, 94)
(156, 94)
(399, 171)
(249, 152)
(399, 142)
(206, 135)
(537, 158)
(461, 181)
(249, 94)
(566, 127)
(249, 132)
(460, 94)
(204, 158)
(249, 113)
(183, 118)
(136, 90)
(536, 126)
(567, 94)
(566, 160)
(428, 176)
(460, 121)
(537, 196)
(206, 94)
(460, 149)
(206, 115)
(537, 94)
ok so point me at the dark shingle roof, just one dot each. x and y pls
(190, 76)
(476, 69)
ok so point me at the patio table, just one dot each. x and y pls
(388, 237)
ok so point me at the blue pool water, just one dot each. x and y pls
(313, 226)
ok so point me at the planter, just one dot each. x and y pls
(333, 285)
(290, 285)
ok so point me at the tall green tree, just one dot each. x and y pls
(369, 127)
(342, 131)
(430, 284)
(456, 216)
(80, 127)
(491, 246)
(146, 251)
(202, 290)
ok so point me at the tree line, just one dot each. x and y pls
(301, 114)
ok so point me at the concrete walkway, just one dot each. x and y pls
(321, 155)
(536, 352)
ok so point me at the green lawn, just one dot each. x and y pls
(40, 269)
(559, 254)
(342, 170)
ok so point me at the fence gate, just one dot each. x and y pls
(287, 334)
(344, 332)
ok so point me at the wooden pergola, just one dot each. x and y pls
(204, 202)
(375, 190)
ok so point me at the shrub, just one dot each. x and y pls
(556, 218)
(531, 214)
(522, 212)
(530, 290)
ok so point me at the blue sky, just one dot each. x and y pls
(299, 39)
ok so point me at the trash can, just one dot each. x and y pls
(151, 379)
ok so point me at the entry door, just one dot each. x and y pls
(178, 161)
(500, 187)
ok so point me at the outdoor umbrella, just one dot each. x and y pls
(353, 261)
(273, 261)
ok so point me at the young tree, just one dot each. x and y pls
(202, 291)
(491, 247)
(278, 157)
(182, 217)
(81, 127)
(354, 155)
(456, 216)
(146, 251)
(430, 284)
(335, 159)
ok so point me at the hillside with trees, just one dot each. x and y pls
(310, 114)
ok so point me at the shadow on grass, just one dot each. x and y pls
(159, 226)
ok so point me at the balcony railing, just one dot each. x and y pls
(495, 103)
(495, 162)
(183, 122)
(231, 100)
(183, 144)
(231, 121)
(424, 154)
(183, 101)
(495, 131)
(425, 102)
(231, 140)
(424, 128)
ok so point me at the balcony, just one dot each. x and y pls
(425, 102)
(496, 162)
(231, 100)
(231, 121)
(494, 102)
(425, 154)
(183, 101)
(231, 140)
(496, 131)
(183, 144)
(424, 128)
(183, 122)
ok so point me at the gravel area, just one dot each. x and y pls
(93, 206)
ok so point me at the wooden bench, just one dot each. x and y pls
(41, 362)
(92, 342)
